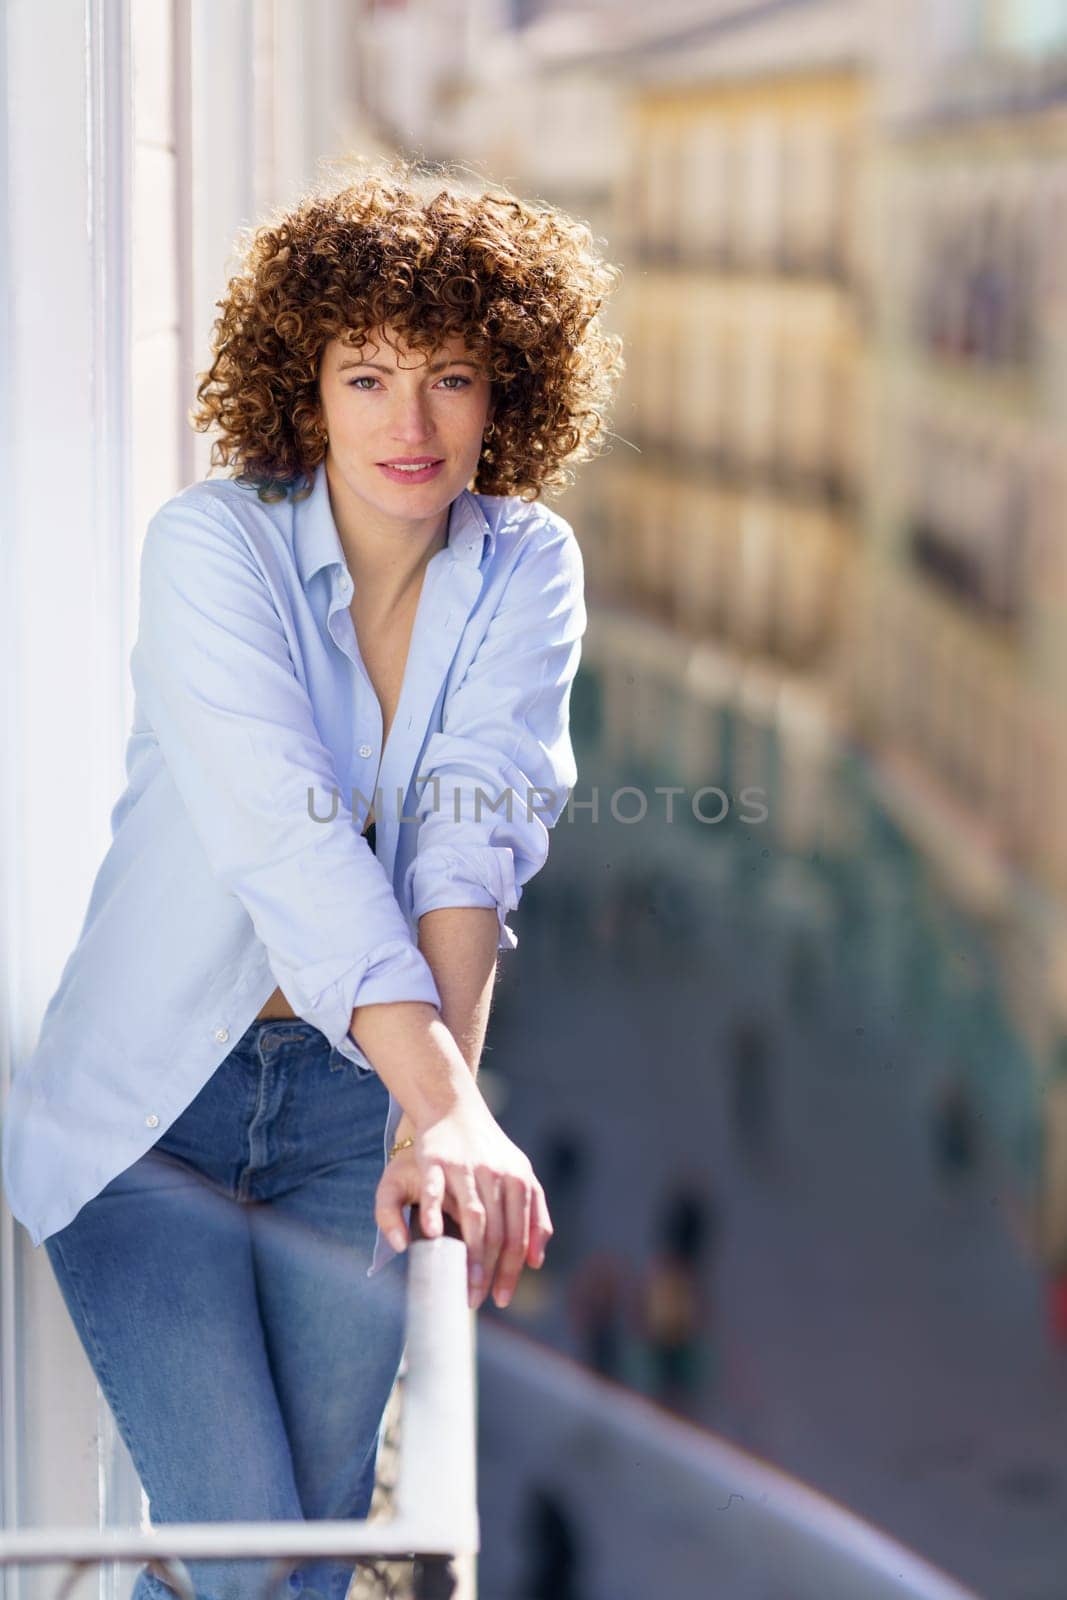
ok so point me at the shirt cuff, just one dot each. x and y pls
(405, 976)
(397, 970)
(481, 875)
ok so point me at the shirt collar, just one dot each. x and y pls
(318, 544)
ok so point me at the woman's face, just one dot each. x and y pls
(386, 403)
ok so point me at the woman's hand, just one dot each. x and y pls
(465, 1164)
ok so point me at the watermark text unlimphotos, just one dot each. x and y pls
(626, 804)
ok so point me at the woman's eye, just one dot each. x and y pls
(450, 377)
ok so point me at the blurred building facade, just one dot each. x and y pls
(960, 646)
(745, 306)
(961, 639)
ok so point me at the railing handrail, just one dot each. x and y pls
(396, 1536)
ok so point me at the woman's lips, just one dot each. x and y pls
(421, 475)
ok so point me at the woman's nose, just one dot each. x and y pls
(411, 421)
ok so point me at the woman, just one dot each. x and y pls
(350, 739)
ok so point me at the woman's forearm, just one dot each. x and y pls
(460, 946)
(415, 1055)
(429, 1060)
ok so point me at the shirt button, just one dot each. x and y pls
(366, 750)
(222, 1034)
(151, 1121)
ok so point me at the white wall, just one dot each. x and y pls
(136, 137)
(64, 398)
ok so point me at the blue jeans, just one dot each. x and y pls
(219, 1289)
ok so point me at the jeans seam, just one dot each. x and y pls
(244, 1179)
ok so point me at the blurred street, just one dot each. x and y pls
(892, 1350)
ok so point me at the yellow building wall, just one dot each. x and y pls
(738, 476)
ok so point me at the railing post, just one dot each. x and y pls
(435, 1576)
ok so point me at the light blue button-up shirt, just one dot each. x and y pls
(237, 862)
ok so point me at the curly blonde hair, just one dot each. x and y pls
(521, 281)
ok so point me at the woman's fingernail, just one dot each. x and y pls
(397, 1240)
(477, 1275)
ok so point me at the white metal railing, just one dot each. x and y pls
(618, 1461)
(436, 1520)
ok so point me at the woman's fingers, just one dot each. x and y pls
(517, 1205)
(490, 1187)
(502, 1215)
(431, 1195)
(392, 1194)
(472, 1216)
(541, 1229)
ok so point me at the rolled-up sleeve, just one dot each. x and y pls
(212, 669)
(497, 776)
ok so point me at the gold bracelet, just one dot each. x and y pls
(401, 1144)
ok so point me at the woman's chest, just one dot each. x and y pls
(384, 647)
(378, 683)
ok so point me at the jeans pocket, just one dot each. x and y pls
(341, 1063)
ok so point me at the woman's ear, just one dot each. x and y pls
(488, 427)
